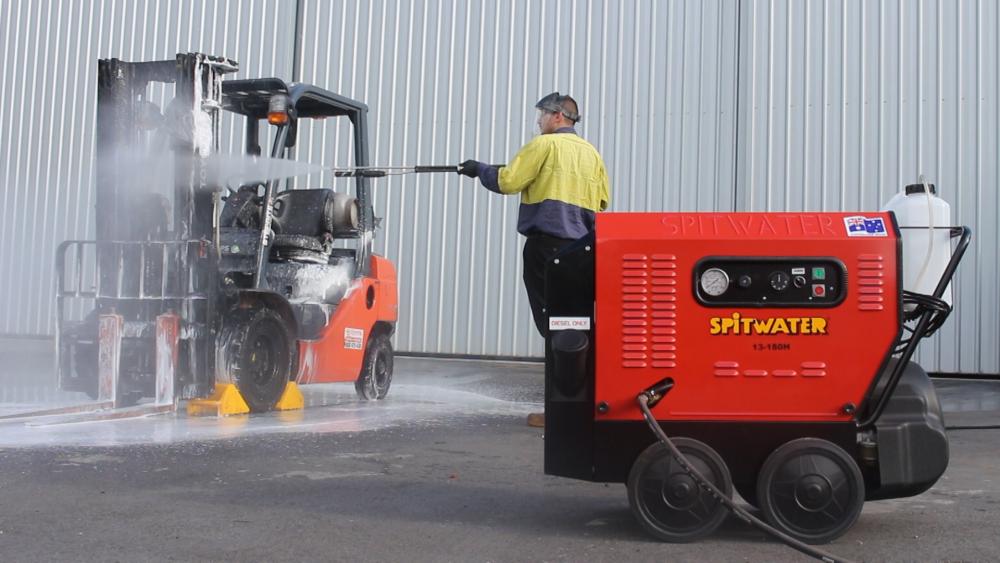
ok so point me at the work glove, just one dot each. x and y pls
(469, 168)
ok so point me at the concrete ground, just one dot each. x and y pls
(444, 470)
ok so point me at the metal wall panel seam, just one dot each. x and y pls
(21, 179)
(457, 257)
(824, 121)
(74, 183)
(717, 137)
(387, 223)
(769, 108)
(30, 162)
(880, 101)
(604, 65)
(843, 102)
(806, 105)
(429, 238)
(900, 22)
(13, 82)
(6, 130)
(45, 305)
(475, 193)
(378, 118)
(939, 173)
(419, 154)
(402, 196)
(225, 41)
(980, 298)
(788, 105)
(861, 110)
(10, 190)
(503, 210)
(90, 118)
(650, 96)
(680, 116)
(697, 103)
(957, 332)
(739, 97)
(634, 105)
(324, 133)
(444, 223)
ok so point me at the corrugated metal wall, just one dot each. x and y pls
(844, 102)
(448, 80)
(694, 105)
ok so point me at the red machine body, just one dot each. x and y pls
(810, 360)
(769, 351)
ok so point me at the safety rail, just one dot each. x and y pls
(138, 270)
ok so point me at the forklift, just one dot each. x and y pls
(213, 290)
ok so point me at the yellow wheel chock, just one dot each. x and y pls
(226, 400)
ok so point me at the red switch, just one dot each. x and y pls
(819, 290)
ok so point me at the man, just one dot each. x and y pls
(563, 184)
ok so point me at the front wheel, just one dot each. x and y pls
(259, 356)
(376, 371)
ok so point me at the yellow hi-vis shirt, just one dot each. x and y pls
(559, 166)
(562, 182)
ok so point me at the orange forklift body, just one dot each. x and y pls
(339, 351)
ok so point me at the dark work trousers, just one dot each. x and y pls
(538, 250)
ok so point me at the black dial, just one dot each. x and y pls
(779, 281)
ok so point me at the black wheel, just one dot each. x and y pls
(259, 354)
(376, 371)
(667, 501)
(811, 489)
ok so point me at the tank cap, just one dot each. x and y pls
(919, 189)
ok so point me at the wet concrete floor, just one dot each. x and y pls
(445, 469)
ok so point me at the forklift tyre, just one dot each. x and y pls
(376, 371)
(259, 355)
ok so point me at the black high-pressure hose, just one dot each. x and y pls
(648, 399)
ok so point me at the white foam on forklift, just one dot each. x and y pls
(330, 408)
(324, 283)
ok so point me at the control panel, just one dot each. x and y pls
(770, 282)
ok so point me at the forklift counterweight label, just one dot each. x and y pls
(569, 323)
(737, 325)
(353, 338)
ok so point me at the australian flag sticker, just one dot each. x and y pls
(858, 226)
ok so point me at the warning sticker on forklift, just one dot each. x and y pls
(353, 338)
(858, 226)
(569, 323)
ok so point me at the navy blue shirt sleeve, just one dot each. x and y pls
(488, 177)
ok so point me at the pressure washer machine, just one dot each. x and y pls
(773, 349)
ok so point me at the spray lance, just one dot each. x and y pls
(382, 171)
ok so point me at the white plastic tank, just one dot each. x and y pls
(923, 219)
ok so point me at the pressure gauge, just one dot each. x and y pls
(714, 282)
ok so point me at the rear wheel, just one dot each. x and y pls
(668, 502)
(811, 489)
(260, 352)
(376, 371)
